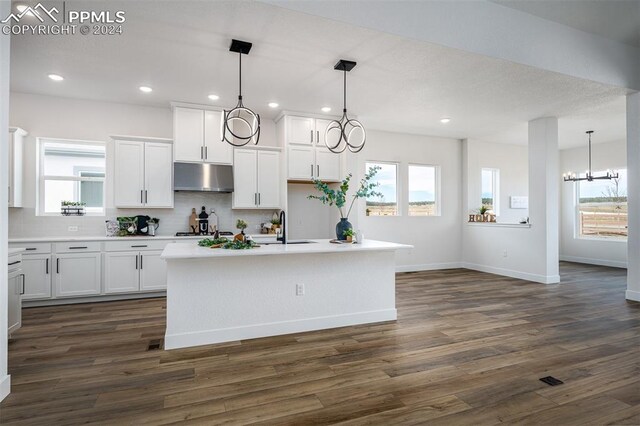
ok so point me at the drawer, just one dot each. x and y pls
(135, 245)
(33, 248)
(78, 247)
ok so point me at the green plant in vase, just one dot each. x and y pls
(348, 234)
(241, 225)
(338, 197)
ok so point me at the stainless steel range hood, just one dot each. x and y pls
(202, 177)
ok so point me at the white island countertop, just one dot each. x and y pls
(193, 251)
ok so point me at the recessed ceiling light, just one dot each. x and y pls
(273, 105)
(145, 89)
(56, 77)
(326, 109)
(214, 97)
(445, 120)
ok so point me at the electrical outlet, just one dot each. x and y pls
(504, 253)
(299, 289)
(72, 229)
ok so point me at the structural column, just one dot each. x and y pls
(633, 196)
(544, 201)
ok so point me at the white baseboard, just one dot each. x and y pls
(208, 337)
(5, 386)
(544, 279)
(428, 267)
(633, 295)
(92, 299)
(590, 261)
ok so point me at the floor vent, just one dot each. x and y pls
(551, 381)
(155, 345)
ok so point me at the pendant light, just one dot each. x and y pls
(240, 125)
(573, 177)
(342, 134)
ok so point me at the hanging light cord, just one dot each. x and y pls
(240, 79)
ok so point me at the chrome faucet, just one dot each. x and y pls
(283, 228)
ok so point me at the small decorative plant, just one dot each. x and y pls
(348, 234)
(483, 209)
(241, 225)
(73, 203)
(72, 208)
(338, 197)
(275, 222)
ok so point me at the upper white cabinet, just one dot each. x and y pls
(143, 174)
(16, 142)
(327, 165)
(301, 130)
(196, 136)
(256, 176)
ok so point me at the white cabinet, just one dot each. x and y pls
(215, 150)
(153, 271)
(77, 274)
(143, 174)
(196, 136)
(188, 134)
(301, 162)
(121, 272)
(16, 142)
(15, 288)
(256, 176)
(327, 165)
(300, 130)
(128, 272)
(37, 271)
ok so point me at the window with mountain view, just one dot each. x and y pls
(423, 191)
(491, 190)
(602, 207)
(387, 180)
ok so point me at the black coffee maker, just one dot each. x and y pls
(142, 225)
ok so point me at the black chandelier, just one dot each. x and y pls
(240, 125)
(574, 177)
(345, 126)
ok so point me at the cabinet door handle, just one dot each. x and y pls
(318, 170)
(23, 283)
(46, 267)
(311, 136)
(136, 261)
(31, 248)
(141, 195)
(317, 136)
(206, 152)
(255, 198)
(139, 245)
(312, 171)
(202, 153)
(140, 262)
(14, 263)
(146, 196)
(77, 248)
(57, 265)
(258, 198)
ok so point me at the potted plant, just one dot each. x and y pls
(338, 197)
(275, 225)
(241, 225)
(72, 208)
(348, 234)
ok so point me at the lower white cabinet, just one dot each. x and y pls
(15, 287)
(37, 271)
(129, 272)
(77, 274)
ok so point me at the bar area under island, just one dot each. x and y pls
(219, 295)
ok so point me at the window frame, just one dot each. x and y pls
(576, 215)
(437, 189)
(42, 178)
(495, 188)
(398, 187)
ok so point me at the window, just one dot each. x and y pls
(491, 190)
(602, 207)
(71, 171)
(423, 192)
(387, 180)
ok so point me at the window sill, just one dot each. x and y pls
(500, 225)
(602, 239)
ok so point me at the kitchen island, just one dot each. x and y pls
(218, 295)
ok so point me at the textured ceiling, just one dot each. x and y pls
(181, 50)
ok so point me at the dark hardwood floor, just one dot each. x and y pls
(468, 349)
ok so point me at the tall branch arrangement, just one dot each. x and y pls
(338, 197)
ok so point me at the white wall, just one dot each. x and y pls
(55, 117)
(600, 252)
(309, 218)
(5, 8)
(437, 239)
(512, 161)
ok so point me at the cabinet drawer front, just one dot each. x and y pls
(78, 247)
(33, 248)
(135, 245)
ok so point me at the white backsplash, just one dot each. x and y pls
(23, 223)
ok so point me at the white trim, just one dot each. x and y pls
(140, 139)
(5, 386)
(322, 116)
(207, 337)
(544, 279)
(428, 267)
(633, 295)
(175, 104)
(19, 131)
(591, 261)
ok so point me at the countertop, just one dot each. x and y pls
(63, 239)
(13, 251)
(185, 250)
